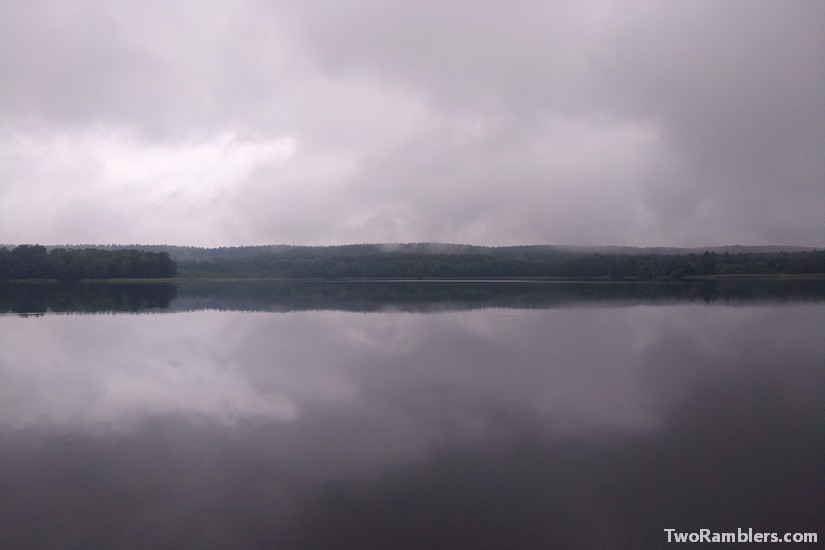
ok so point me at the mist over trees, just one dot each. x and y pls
(36, 262)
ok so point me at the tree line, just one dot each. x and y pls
(412, 262)
(79, 297)
(561, 265)
(36, 262)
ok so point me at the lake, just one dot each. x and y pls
(408, 415)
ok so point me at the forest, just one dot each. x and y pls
(411, 261)
(522, 262)
(36, 262)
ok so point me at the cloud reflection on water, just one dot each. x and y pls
(492, 428)
(581, 369)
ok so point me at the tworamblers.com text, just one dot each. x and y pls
(741, 535)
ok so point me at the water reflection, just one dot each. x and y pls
(28, 297)
(372, 296)
(568, 427)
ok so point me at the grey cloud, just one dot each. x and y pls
(737, 90)
(478, 56)
(166, 69)
(69, 66)
(734, 88)
(566, 122)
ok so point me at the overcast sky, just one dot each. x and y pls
(219, 123)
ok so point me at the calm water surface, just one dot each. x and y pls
(456, 418)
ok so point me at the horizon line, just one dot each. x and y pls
(416, 243)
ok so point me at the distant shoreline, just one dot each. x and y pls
(758, 277)
(404, 262)
(764, 277)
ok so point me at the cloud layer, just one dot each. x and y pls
(319, 122)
